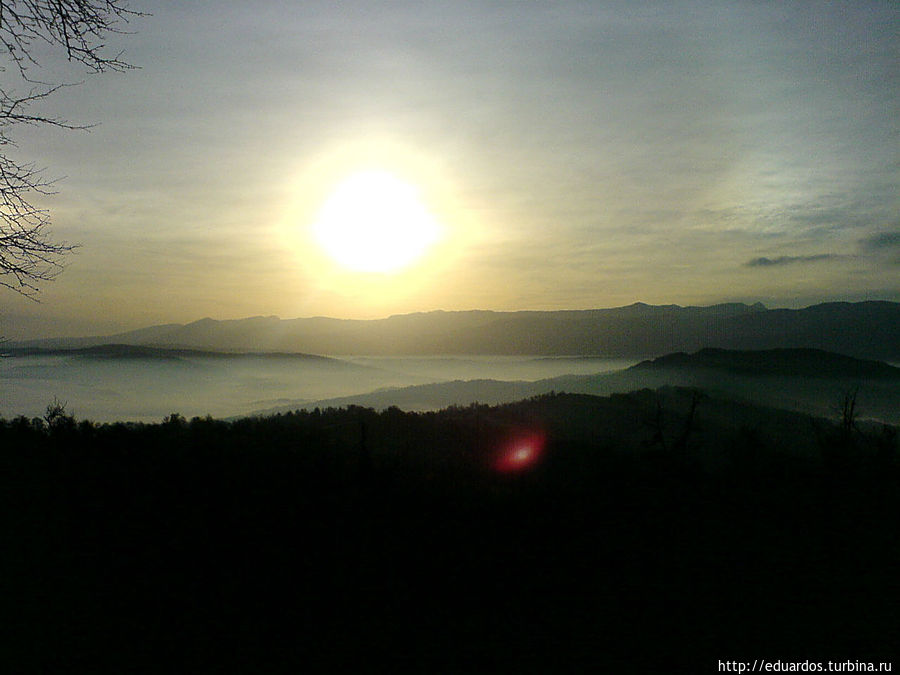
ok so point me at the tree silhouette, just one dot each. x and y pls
(77, 28)
(57, 417)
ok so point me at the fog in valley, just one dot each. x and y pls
(107, 389)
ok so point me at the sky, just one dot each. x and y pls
(569, 155)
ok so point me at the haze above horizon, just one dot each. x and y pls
(317, 159)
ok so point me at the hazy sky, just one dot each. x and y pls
(574, 154)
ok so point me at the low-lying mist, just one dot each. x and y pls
(105, 388)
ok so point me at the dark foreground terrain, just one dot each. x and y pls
(650, 532)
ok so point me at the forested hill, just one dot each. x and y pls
(814, 363)
(648, 532)
(868, 330)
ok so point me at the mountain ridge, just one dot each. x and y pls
(869, 329)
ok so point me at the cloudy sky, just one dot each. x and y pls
(570, 155)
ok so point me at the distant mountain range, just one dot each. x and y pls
(869, 330)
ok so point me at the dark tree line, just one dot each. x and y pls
(330, 540)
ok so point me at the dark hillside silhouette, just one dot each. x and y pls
(658, 530)
(814, 363)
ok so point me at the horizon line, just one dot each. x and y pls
(638, 303)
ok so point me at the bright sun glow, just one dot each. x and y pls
(375, 222)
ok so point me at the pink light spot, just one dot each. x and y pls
(520, 455)
(523, 454)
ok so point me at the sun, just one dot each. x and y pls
(374, 221)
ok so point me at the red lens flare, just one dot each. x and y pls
(521, 454)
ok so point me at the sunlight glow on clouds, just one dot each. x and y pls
(573, 155)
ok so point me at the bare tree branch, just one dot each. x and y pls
(28, 255)
(78, 26)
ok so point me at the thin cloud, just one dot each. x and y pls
(791, 259)
(884, 246)
(881, 241)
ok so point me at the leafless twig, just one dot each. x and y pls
(28, 254)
